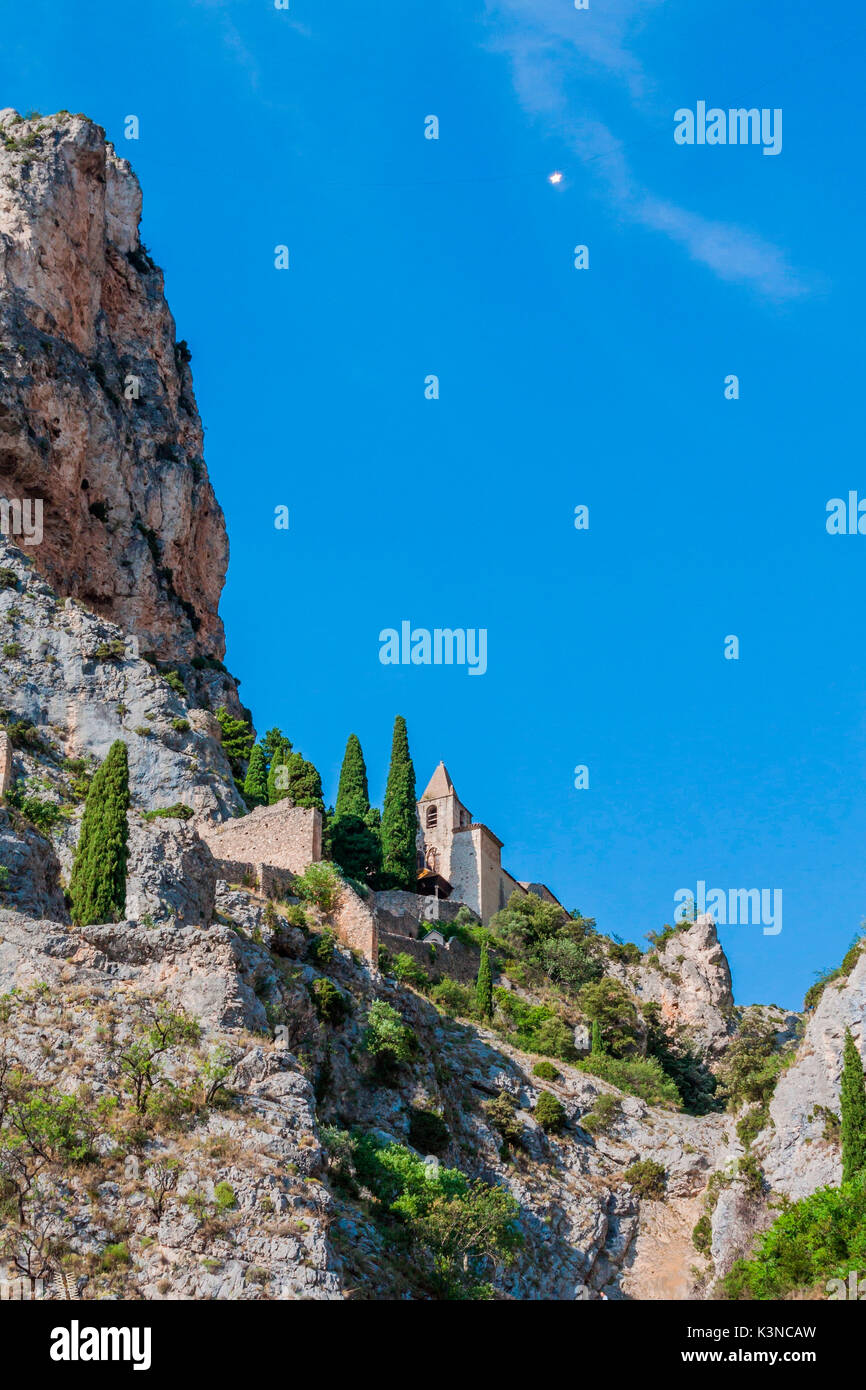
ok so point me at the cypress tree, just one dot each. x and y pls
(303, 783)
(98, 884)
(356, 848)
(484, 986)
(353, 797)
(256, 780)
(276, 784)
(853, 1110)
(596, 1045)
(400, 816)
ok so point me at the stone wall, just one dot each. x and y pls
(265, 879)
(355, 924)
(455, 960)
(400, 912)
(283, 836)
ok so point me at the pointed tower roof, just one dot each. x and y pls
(440, 784)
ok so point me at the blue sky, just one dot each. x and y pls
(558, 387)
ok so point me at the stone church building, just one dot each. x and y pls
(461, 859)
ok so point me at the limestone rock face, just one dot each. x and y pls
(170, 873)
(32, 881)
(692, 983)
(799, 1158)
(73, 677)
(131, 524)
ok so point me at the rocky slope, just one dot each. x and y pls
(71, 1003)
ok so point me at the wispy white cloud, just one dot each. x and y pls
(558, 56)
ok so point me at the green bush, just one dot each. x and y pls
(386, 1037)
(456, 1228)
(175, 680)
(702, 1235)
(533, 1027)
(752, 1063)
(409, 972)
(548, 943)
(550, 1113)
(648, 1179)
(749, 1126)
(638, 1076)
(224, 1196)
(625, 953)
(320, 884)
(453, 998)
(681, 1061)
(502, 1115)
(114, 1255)
(321, 947)
(604, 1112)
(328, 1001)
(12, 649)
(750, 1174)
(8, 579)
(428, 1132)
(814, 1240)
(44, 815)
(110, 651)
(609, 1004)
(176, 812)
(545, 1071)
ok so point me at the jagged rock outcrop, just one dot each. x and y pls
(691, 981)
(97, 414)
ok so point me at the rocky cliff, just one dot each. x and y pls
(206, 1063)
(98, 419)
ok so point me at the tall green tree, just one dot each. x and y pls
(484, 986)
(356, 848)
(276, 779)
(353, 797)
(355, 839)
(303, 783)
(98, 883)
(256, 780)
(400, 816)
(596, 1045)
(237, 738)
(272, 742)
(853, 1110)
